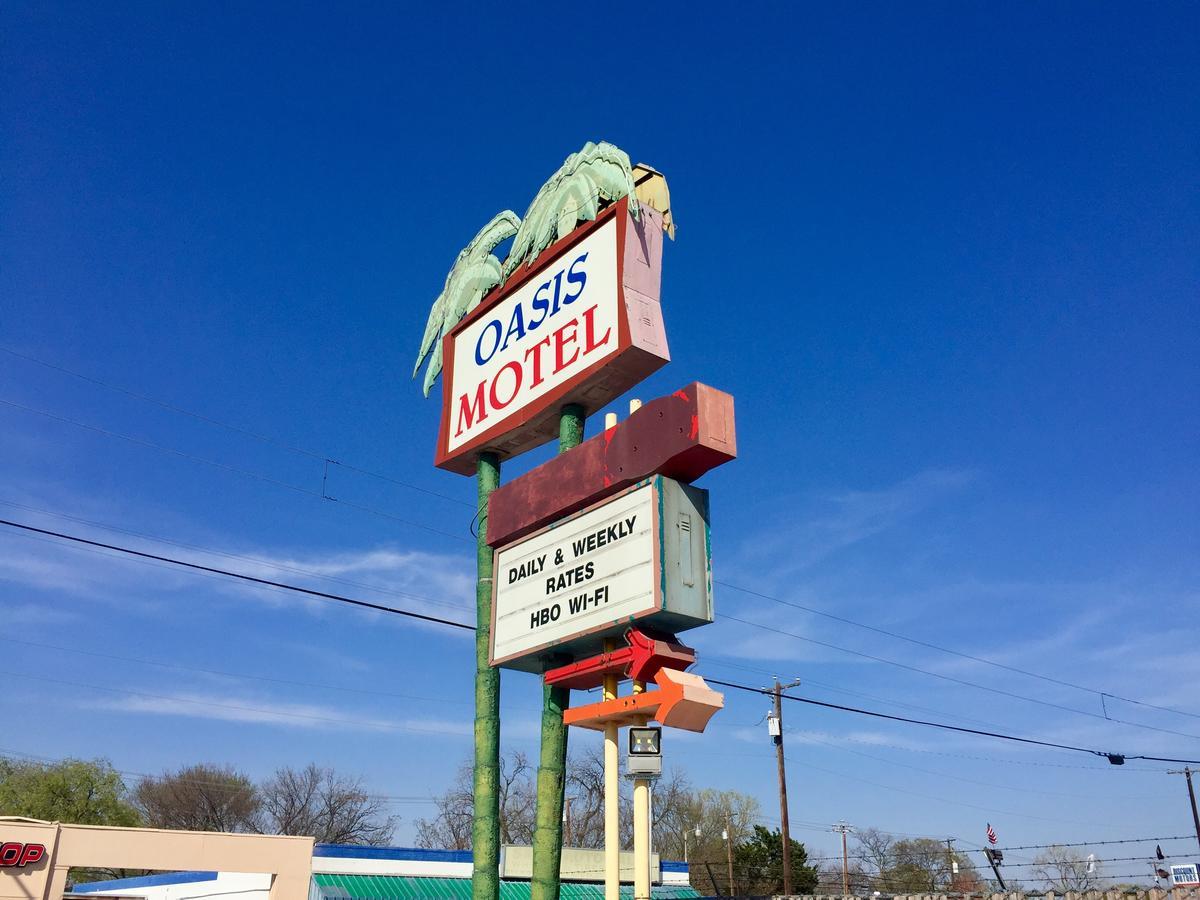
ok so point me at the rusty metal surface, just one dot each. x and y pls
(640, 659)
(681, 436)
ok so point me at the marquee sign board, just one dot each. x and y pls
(582, 325)
(640, 556)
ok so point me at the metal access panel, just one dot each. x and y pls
(641, 556)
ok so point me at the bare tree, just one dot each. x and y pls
(915, 865)
(199, 798)
(334, 809)
(1063, 869)
(874, 859)
(450, 827)
(715, 812)
(674, 811)
(585, 799)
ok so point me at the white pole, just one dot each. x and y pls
(612, 792)
(641, 839)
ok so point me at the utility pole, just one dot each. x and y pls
(728, 835)
(844, 829)
(1186, 772)
(775, 727)
(953, 869)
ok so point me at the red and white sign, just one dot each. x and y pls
(15, 855)
(583, 325)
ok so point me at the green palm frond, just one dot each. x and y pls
(475, 272)
(573, 194)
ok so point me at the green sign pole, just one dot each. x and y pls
(552, 764)
(485, 830)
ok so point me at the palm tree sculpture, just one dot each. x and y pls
(599, 174)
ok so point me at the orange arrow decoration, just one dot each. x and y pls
(682, 700)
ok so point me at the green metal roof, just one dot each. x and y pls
(406, 887)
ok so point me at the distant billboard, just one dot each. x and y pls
(1186, 875)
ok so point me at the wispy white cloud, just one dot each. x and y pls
(259, 711)
(436, 584)
(826, 524)
(18, 615)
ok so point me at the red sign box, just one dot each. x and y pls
(582, 325)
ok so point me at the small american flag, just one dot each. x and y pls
(991, 833)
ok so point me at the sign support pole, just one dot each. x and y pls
(552, 765)
(641, 828)
(612, 773)
(612, 795)
(641, 839)
(485, 828)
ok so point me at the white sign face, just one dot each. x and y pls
(576, 578)
(1185, 875)
(545, 333)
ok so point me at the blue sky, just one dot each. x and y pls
(944, 257)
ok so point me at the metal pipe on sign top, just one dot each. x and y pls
(485, 826)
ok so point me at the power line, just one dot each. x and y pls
(328, 460)
(370, 510)
(721, 662)
(1005, 787)
(258, 436)
(201, 671)
(924, 796)
(951, 678)
(236, 470)
(238, 575)
(242, 675)
(295, 570)
(1112, 757)
(1147, 840)
(979, 659)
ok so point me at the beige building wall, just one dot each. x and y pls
(287, 859)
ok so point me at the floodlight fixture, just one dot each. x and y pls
(645, 753)
(645, 742)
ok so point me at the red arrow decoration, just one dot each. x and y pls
(640, 660)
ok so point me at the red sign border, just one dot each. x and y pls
(452, 459)
(656, 481)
